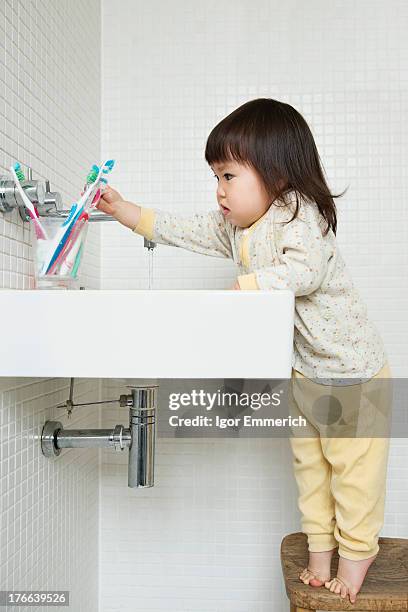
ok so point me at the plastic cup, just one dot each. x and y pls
(64, 273)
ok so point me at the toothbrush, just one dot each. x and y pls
(71, 257)
(75, 230)
(57, 241)
(72, 260)
(73, 254)
(18, 176)
(84, 203)
(77, 261)
(69, 243)
(88, 198)
(100, 180)
(66, 257)
(94, 179)
(67, 267)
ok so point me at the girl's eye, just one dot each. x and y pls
(226, 174)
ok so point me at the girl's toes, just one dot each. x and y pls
(353, 596)
(309, 578)
(338, 588)
(304, 576)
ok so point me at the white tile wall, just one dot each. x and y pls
(49, 115)
(49, 120)
(49, 509)
(206, 538)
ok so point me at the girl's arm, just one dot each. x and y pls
(201, 232)
(304, 254)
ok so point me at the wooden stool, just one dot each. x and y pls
(385, 587)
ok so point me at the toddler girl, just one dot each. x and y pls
(277, 221)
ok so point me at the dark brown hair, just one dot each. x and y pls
(275, 140)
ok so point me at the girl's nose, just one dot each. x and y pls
(220, 191)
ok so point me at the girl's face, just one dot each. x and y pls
(241, 194)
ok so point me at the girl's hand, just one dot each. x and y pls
(109, 199)
(112, 203)
(236, 286)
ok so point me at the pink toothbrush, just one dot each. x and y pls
(39, 230)
(71, 240)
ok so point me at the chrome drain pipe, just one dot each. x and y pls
(139, 437)
(118, 438)
(142, 419)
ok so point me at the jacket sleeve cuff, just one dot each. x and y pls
(146, 223)
(248, 281)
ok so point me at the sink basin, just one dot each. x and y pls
(147, 334)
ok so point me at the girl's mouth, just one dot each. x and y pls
(224, 209)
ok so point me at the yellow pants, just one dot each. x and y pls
(341, 480)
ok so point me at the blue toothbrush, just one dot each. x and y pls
(77, 208)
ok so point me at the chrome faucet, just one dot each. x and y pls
(149, 244)
(139, 437)
(10, 197)
(48, 203)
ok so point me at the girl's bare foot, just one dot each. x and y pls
(350, 577)
(317, 572)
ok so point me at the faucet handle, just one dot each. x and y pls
(52, 199)
(10, 197)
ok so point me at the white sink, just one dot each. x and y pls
(146, 334)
